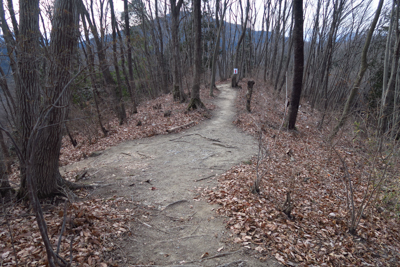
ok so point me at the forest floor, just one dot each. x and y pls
(163, 175)
(184, 199)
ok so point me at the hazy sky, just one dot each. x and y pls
(119, 4)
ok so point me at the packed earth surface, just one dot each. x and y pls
(164, 175)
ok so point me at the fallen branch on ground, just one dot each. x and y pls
(171, 130)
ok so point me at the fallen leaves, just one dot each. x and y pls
(91, 226)
(300, 162)
(149, 121)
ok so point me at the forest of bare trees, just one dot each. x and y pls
(65, 60)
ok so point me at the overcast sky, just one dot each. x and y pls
(119, 6)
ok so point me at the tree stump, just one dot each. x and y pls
(249, 94)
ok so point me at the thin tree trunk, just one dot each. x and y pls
(90, 63)
(289, 55)
(216, 49)
(162, 58)
(129, 55)
(276, 41)
(119, 103)
(109, 80)
(363, 68)
(244, 26)
(267, 39)
(388, 90)
(283, 48)
(177, 90)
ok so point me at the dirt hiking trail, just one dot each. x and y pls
(162, 173)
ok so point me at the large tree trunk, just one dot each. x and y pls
(45, 148)
(28, 89)
(298, 63)
(195, 101)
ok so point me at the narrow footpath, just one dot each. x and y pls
(163, 173)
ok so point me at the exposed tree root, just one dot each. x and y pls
(195, 103)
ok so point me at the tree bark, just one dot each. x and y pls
(267, 39)
(195, 101)
(216, 48)
(249, 94)
(117, 90)
(235, 64)
(28, 89)
(45, 143)
(164, 72)
(129, 57)
(298, 63)
(6, 190)
(177, 91)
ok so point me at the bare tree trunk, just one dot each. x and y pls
(267, 39)
(11, 44)
(244, 26)
(327, 59)
(177, 91)
(28, 89)
(312, 46)
(388, 90)
(119, 103)
(363, 68)
(162, 58)
(283, 47)
(222, 65)
(216, 48)
(5, 169)
(64, 36)
(298, 63)
(11, 108)
(129, 55)
(103, 62)
(289, 55)
(195, 101)
(276, 41)
(90, 62)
